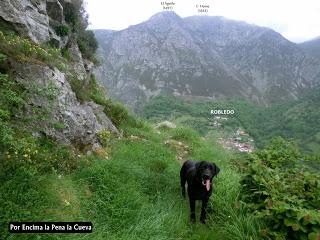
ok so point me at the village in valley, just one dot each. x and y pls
(238, 140)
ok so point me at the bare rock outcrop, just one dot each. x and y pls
(79, 123)
(33, 19)
(53, 107)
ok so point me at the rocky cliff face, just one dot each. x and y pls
(203, 56)
(79, 122)
(35, 19)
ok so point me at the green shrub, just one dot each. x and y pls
(120, 115)
(88, 90)
(62, 30)
(282, 192)
(104, 136)
(58, 125)
(75, 15)
(3, 57)
(98, 93)
(116, 111)
(66, 53)
(280, 153)
(79, 88)
(87, 44)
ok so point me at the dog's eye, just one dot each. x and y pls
(210, 167)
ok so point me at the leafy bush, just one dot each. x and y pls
(98, 93)
(62, 30)
(104, 136)
(79, 88)
(66, 53)
(87, 44)
(279, 154)
(116, 111)
(87, 90)
(280, 191)
(75, 15)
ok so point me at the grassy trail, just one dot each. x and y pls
(136, 194)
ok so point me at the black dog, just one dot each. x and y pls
(199, 177)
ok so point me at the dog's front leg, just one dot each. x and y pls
(203, 210)
(183, 192)
(193, 209)
(183, 188)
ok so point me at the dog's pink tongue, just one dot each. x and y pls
(207, 185)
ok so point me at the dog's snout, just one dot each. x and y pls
(206, 176)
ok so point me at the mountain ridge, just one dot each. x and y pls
(204, 56)
(312, 47)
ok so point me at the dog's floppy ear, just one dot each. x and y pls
(198, 169)
(216, 169)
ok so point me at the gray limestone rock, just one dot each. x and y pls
(81, 122)
(35, 19)
(77, 62)
(52, 106)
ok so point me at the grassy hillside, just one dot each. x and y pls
(129, 188)
(129, 191)
(297, 120)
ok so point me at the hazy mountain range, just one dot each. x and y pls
(312, 47)
(205, 56)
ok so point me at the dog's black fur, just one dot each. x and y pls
(195, 173)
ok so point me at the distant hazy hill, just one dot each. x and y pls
(312, 47)
(203, 56)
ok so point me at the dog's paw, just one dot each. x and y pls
(183, 193)
(193, 218)
(203, 221)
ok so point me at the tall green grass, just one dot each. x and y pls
(133, 195)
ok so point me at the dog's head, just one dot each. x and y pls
(205, 172)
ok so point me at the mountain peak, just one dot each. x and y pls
(207, 56)
(165, 15)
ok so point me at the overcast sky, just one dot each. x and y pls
(297, 20)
